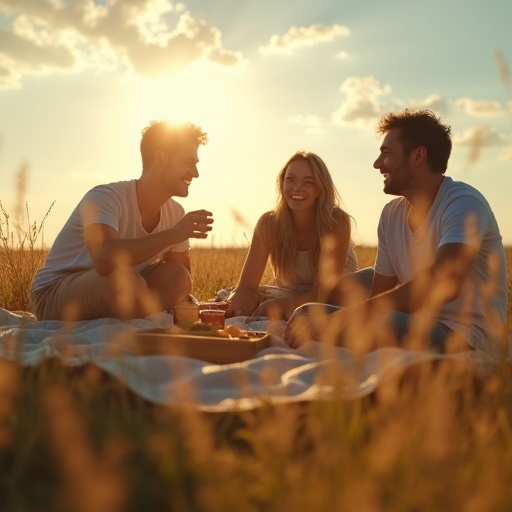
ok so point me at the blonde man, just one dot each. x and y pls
(124, 250)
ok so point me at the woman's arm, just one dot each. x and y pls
(245, 298)
(330, 269)
(332, 260)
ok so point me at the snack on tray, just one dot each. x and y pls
(233, 331)
(207, 329)
(202, 326)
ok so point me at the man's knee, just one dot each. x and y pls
(168, 273)
(171, 280)
(180, 279)
(115, 295)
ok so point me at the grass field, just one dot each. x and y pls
(217, 268)
(436, 437)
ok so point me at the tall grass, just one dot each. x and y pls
(214, 269)
(20, 257)
(434, 437)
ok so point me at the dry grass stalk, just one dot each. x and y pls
(503, 69)
(436, 436)
(19, 258)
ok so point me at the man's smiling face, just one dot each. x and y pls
(393, 164)
(181, 169)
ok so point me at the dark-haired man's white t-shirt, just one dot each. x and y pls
(113, 204)
(459, 214)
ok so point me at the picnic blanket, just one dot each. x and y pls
(277, 374)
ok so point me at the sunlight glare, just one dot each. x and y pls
(192, 95)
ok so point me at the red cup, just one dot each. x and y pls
(215, 305)
(214, 317)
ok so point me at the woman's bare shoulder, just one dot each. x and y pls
(266, 221)
(266, 227)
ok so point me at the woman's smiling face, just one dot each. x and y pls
(299, 186)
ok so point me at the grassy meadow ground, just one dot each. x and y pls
(214, 269)
(436, 437)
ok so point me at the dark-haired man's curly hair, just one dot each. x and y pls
(421, 128)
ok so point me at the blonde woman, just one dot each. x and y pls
(306, 226)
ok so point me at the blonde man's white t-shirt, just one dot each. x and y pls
(459, 214)
(113, 204)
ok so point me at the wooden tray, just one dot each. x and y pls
(206, 347)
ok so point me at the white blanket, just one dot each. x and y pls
(277, 374)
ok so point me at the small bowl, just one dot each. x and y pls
(184, 315)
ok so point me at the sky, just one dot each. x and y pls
(80, 79)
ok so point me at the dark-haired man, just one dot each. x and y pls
(124, 250)
(439, 252)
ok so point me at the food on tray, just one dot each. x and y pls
(233, 331)
(203, 326)
(207, 329)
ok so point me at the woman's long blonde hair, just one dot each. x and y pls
(282, 242)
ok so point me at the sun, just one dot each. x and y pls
(197, 94)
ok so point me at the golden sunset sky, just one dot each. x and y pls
(79, 79)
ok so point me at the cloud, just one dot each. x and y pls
(147, 37)
(477, 138)
(488, 136)
(219, 55)
(506, 153)
(311, 123)
(479, 108)
(342, 55)
(365, 100)
(433, 102)
(302, 37)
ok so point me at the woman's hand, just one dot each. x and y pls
(243, 301)
(232, 310)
